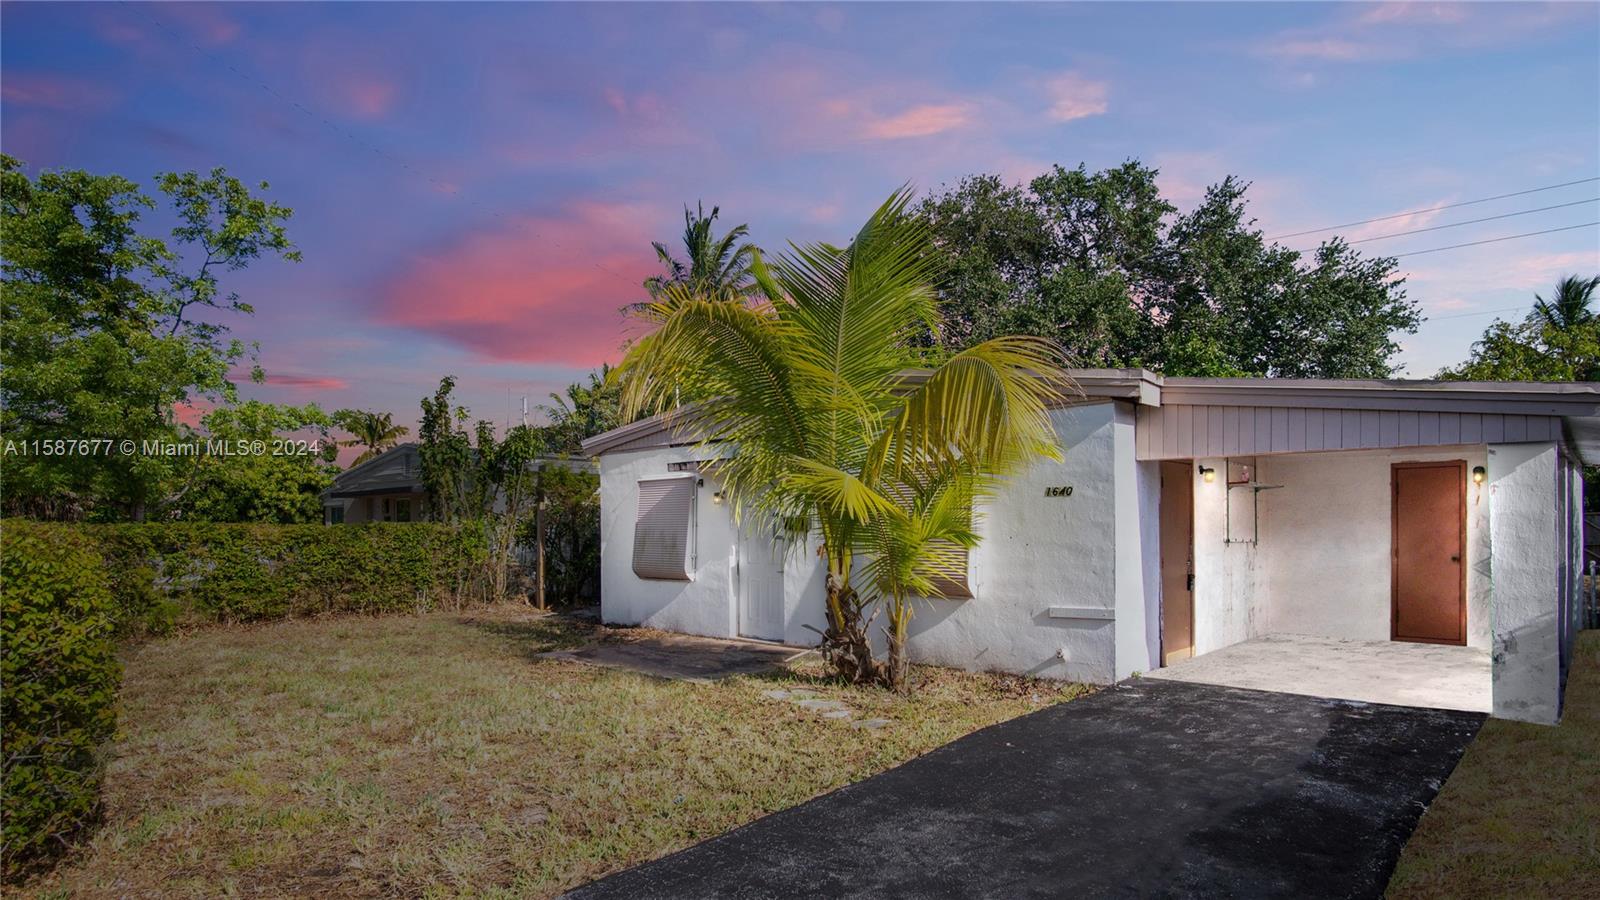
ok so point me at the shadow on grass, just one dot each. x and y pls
(536, 634)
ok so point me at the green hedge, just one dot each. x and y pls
(70, 590)
(59, 673)
(164, 574)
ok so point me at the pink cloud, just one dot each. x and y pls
(191, 411)
(1072, 96)
(306, 382)
(537, 288)
(51, 91)
(919, 121)
(366, 95)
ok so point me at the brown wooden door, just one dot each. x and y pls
(1177, 562)
(1429, 569)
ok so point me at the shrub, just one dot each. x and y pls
(59, 670)
(169, 573)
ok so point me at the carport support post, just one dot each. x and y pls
(1526, 541)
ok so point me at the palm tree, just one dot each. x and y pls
(1569, 306)
(375, 431)
(836, 436)
(585, 411)
(717, 267)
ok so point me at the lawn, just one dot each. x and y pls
(435, 755)
(1520, 816)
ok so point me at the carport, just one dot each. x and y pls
(1408, 543)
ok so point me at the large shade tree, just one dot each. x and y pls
(1113, 271)
(835, 437)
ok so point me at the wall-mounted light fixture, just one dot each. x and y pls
(1479, 473)
(1209, 474)
(717, 498)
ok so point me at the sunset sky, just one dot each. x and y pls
(476, 186)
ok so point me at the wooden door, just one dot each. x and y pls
(760, 586)
(1428, 568)
(1177, 562)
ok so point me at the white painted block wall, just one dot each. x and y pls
(1326, 542)
(1528, 536)
(1040, 552)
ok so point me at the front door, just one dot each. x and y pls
(1177, 562)
(760, 586)
(1428, 568)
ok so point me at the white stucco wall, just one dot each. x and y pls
(1091, 550)
(1527, 534)
(1040, 552)
(1326, 542)
(704, 605)
(1227, 580)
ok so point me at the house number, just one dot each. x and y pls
(1064, 490)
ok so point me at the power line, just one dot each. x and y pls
(347, 135)
(1552, 187)
(1524, 212)
(1481, 312)
(1509, 237)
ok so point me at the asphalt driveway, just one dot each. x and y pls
(1149, 788)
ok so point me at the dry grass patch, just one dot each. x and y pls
(1520, 816)
(436, 756)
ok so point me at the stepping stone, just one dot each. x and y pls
(775, 695)
(837, 714)
(819, 705)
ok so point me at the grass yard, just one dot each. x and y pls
(1520, 816)
(436, 756)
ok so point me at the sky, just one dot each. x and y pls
(475, 186)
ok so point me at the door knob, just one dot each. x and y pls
(1456, 558)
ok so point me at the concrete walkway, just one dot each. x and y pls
(1397, 672)
(1146, 789)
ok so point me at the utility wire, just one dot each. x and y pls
(347, 135)
(1509, 237)
(1552, 187)
(1524, 212)
(1481, 312)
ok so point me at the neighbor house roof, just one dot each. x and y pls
(1575, 404)
(398, 470)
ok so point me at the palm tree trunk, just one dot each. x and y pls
(899, 668)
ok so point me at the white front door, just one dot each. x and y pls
(760, 585)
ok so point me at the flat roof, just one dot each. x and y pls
(1578, 403)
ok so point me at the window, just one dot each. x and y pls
(402, 510)
(663, 532)
(333, 515)
(951, 580)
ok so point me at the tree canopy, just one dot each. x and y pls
(103, 337)
(1104, 265)
(1559, 340)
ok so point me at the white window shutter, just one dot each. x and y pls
(663, 532)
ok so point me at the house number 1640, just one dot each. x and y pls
(1064, 490)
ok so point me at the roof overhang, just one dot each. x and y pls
(1576, 403)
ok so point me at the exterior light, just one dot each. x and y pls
(1479, 473)
(1208, 474)
(717, 498)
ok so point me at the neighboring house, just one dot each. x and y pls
(1187, 515)
(385, 488)
(388, 488)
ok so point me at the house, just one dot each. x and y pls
(1433, 526)
(385, 488)
(388, 487)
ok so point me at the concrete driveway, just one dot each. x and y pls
(1148, 788)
